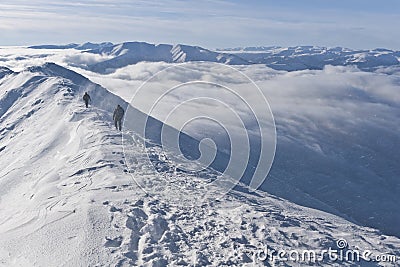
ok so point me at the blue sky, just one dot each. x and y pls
(212, 23)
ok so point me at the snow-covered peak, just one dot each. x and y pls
(129, 47)
(54, 70)
(196, 53)
(90, 45)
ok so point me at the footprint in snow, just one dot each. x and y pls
(114, 209)
(113, 242)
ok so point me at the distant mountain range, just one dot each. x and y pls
(313, 57)
(84, 46)
(133, 52)
(278, 58)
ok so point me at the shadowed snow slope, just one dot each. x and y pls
(68, 199)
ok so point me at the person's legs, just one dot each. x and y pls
(116, 124)
(86, 103)
(120, 124)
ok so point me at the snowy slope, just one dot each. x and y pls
(67, 197)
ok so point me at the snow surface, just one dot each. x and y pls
(69, 193)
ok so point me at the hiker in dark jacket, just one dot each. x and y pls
(117, 117)
(86, 98)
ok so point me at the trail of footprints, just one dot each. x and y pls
(145, 233)
(149, 233)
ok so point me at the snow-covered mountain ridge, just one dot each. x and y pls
(67, 198)
(278, 58)
(313, 57)
(84, 46)
(133, 52)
